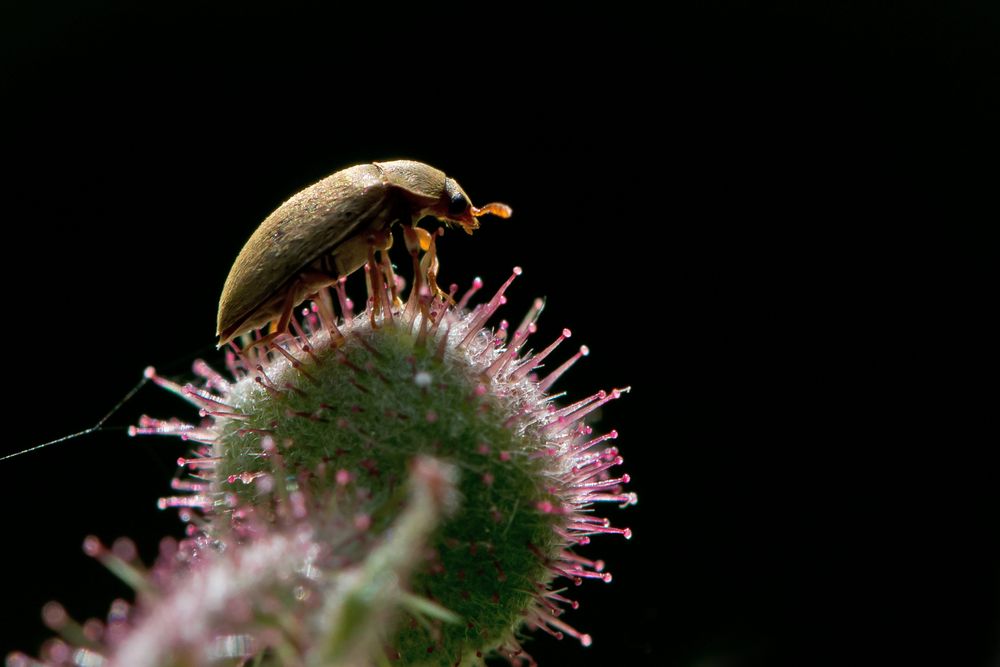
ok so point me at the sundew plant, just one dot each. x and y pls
(388, 485)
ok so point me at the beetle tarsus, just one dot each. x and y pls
(263, 342)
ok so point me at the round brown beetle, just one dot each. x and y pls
(326, 231)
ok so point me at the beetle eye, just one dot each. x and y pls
(457, 205)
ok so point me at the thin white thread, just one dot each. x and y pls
(93, 429)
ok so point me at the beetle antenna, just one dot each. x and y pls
(493, 208)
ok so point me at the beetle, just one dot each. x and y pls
(327, 231)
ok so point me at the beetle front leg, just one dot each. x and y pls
(429, 265)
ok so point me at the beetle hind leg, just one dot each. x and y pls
(306, 283)
(279, 326)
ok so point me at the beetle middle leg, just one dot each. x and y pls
(378, 274)
(383, 243)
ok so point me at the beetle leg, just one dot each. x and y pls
(381, 240)
(413, 247)
(429, 265)
(327, 315)
(390, 278)
(316, 283)
(306, 280)
(370, 269)
(264, 341)
(286, 313)
(280, 325)
(424, 237)
(412, 239)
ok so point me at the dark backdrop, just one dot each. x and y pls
(776, 222)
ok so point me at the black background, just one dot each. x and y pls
(776, 222)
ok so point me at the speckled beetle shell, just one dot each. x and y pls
(325, 232)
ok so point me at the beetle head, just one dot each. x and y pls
(459, 209)
(430, 192)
